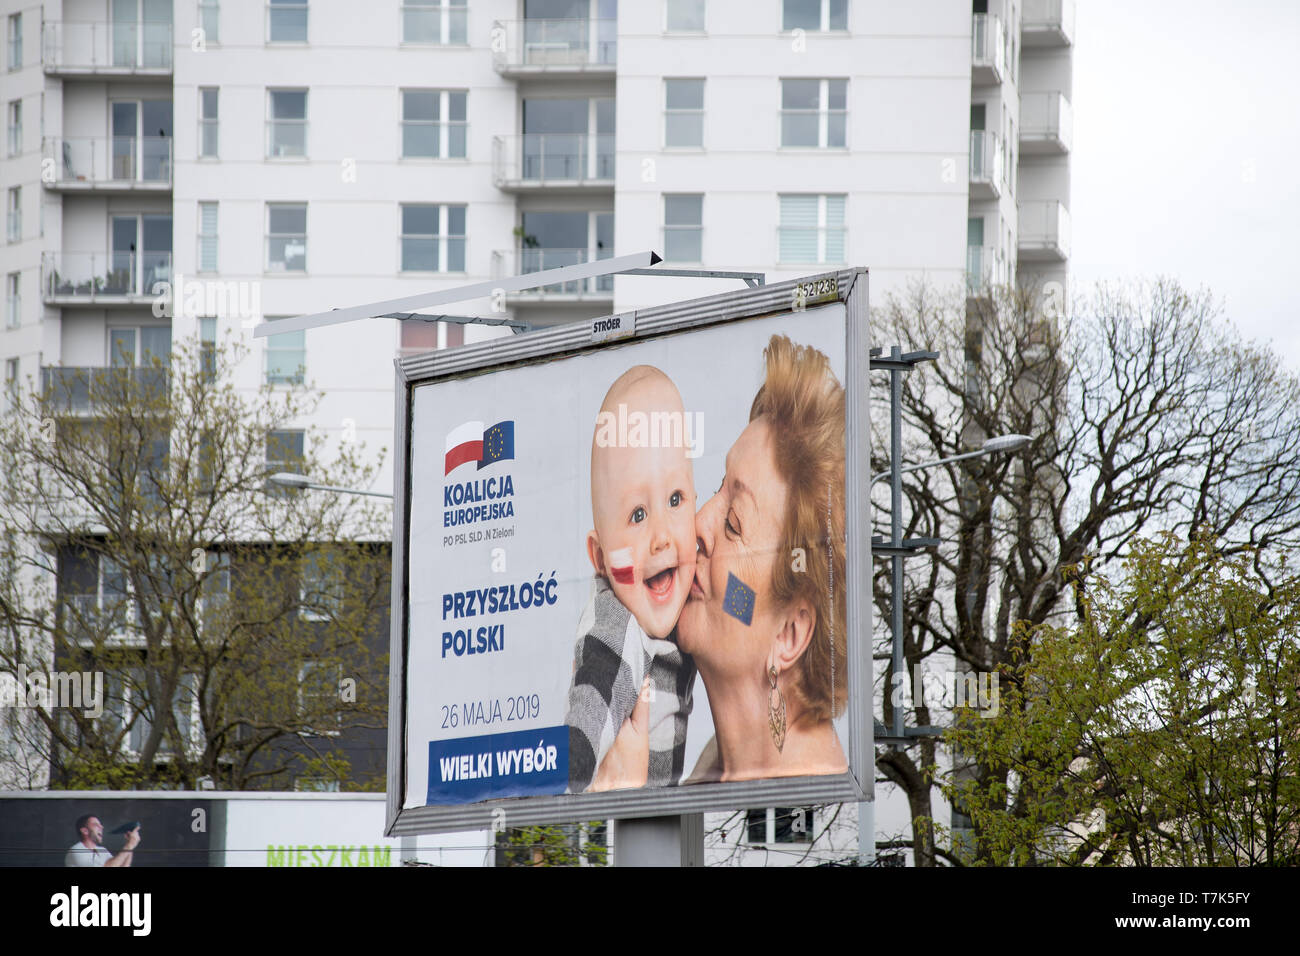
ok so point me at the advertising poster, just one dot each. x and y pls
(626, 566)
(88, 830)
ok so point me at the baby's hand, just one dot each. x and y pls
(628, 762)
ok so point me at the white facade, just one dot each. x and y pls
(715, 131)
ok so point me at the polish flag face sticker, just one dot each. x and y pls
(620, 566)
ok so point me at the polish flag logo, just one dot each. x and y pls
(483, 446)
(464, 444)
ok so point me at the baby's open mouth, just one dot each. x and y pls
(662, 583)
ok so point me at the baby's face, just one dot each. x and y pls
(643, 502)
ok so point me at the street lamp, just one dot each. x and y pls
(289, 480)
(990, 447)
(897, 548)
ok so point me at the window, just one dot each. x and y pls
(286, 21)
(433, 124)
(316, 784)
(320, 591)
(209, 16)
(207, 237)
(819, 15)
(813, 112)
(15, 38)
(11, 380)
(319, 702)
(14, 214)
(142, 347)
(15, 127)
(287, 127)
(286, 361)
(215, 590)
(684, 113)
(433, 238)
(128, 701)
(812, 229)
(432, 21)
(13, 300)
(684, 16)
(208, 122)
(779, 825)
(286, 237)
(208, 348)
(284, 452)
(683, 228)
(418, 336)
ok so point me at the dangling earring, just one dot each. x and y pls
(775, 710)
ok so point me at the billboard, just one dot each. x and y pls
(625, 584)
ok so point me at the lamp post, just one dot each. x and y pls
(290, 480)
(899, 548)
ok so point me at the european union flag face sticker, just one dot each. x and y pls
(739, 600)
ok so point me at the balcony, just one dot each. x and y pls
(985, 165)
(508, 262)
(573, 161)
(987, 50)
(1047, 23)
(1044, 232)
(74, 48)
(103, 278)
(1046, 124)
(523, 48)
(71, 390)
(985, 268)
(110, 164)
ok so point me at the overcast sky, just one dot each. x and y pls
(1187, 153)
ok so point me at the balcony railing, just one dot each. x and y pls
(536, 159)
(98, 275)
(79, 46)
(111, 161)
(985, 268)
(507, 262)
(1044, 232)
(555, 45)
(1047, 23)
(987, 58)
(76, 390)
(1046, 123)
(985, 164)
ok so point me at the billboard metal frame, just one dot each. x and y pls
(849, 286)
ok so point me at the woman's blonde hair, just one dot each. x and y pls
(803, 405)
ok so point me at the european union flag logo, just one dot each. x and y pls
(739, 600)
(498, 443)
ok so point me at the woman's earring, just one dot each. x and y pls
(775, 710)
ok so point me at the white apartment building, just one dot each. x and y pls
(325, 153)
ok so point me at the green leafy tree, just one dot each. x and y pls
(1147, 414)
(237, 626)
(554, 845)
(1160, 728)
